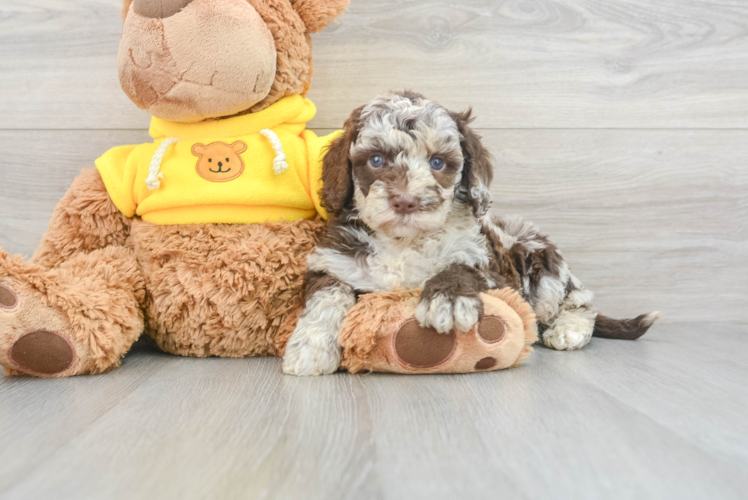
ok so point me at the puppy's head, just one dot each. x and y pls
(404, 164)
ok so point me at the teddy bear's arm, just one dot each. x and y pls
(86, 219)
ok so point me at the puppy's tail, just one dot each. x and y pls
(624, 329)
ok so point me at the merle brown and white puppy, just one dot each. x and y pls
(406, 188)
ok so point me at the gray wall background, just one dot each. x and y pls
(620, 127)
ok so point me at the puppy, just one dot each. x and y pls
(406, 188)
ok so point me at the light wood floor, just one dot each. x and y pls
(664, 417)
(618, 126)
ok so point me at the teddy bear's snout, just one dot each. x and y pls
(159, 9)
(163, 50)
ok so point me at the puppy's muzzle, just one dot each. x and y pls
(404, 204)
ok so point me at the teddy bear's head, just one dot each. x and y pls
(190, 60)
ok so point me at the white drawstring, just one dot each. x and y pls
(152, 181)
(279, 163)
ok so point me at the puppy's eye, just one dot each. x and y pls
(210, 160)
(376, 161)
(227, 160)
(436, 163)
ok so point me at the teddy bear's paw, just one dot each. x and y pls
(310, 355)
(569, 331)
(34, 338)
(443, 313)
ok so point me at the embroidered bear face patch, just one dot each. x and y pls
(218, 161)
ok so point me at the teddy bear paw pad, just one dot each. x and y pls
(42, 352)
(420, 347)
(491, 329)
(486, 363)
(34, 337)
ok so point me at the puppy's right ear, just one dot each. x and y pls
(477, 173)
(337, 180)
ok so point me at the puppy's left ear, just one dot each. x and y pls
(317, 14)
(477, 173)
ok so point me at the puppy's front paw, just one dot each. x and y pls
(442, 313)
(304, 357)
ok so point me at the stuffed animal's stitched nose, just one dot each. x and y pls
(220, 163)
(159, 9)
(404, 204)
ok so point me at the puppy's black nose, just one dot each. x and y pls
(220, 163)
(404, 204)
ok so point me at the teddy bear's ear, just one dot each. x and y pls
(238, 147)
(198, 149)
(317, 14)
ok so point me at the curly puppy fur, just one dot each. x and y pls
(407, 189)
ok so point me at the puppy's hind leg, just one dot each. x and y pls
(313, 348)
(573, 323)
(562, 305)
(564, 312)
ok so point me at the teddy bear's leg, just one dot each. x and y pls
(80, 317)
(76, 306)
(383, 333)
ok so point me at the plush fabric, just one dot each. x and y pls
(380, 333)
(102, 276)
(214, 58)
(92, 301)
(159, 8)
(257, 195)
(317, 14)
(237, 49)
(209, 289)
(223, 290)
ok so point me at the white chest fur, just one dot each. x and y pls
(391, 263)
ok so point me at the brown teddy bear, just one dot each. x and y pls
(199, 238)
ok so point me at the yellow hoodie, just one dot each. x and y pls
(260, 167)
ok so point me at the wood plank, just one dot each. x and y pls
(216, 428)
(540, 64)
(647, 219)
(684, 377)
(58, 66)
(32, 183)
(38, 417)
(566, 425)
(545, 63)
(537, 432)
